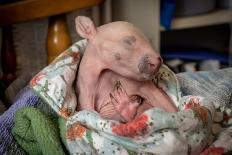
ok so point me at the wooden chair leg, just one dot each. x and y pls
(8, 56)
(58, 38)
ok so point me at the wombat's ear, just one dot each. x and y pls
(85, 27)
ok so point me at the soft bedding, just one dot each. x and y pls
(203, 122)
(185, 132)
(37, 132)
(89, 134)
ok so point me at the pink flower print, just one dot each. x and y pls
(36, 79)
(133, 128)
(213, 151)
(193, 102)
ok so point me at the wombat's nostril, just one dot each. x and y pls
(152, 66)
(160, 59)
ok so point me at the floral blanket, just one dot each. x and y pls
(191, 130)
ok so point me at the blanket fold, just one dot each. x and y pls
(186, 132)
(37, 133)
(181, 132)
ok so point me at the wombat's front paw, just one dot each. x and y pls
(119, 97)
(125, 105)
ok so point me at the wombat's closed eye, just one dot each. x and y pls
(117, 56)
(128, 41)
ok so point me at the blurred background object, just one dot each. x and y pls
(189, 7)
(200, 32)
(190, 35)
(2, 107)
(224, 4)
(33, 33)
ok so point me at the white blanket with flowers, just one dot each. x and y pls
(191, 130)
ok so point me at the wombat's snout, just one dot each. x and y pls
(149, 65)
(153, 66)
(160, 59)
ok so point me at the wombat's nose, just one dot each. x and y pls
(160, 59)
(150, 65)
(155, 64)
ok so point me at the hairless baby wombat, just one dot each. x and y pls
(115, 72)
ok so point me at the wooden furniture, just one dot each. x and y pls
(58, 38)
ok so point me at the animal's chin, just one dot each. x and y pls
(146, 77)
(148, 70)
(149, 75)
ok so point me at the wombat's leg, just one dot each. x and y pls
(125, 105)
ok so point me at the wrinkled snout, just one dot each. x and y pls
(149, 65)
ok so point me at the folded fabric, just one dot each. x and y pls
(181, 133)
(216, 85)
(37, 133)
(188, 131)
(155, 129)
(25, 98)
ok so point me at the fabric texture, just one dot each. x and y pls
(87, 132)
(182, 133)
(55, 82)
(212, 84)
(216, 85)
(25, 98)
(37, 133)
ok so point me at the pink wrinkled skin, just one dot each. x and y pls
(115, 72)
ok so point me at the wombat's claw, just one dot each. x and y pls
(113, 99)
(119, 89)
(118, 85)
